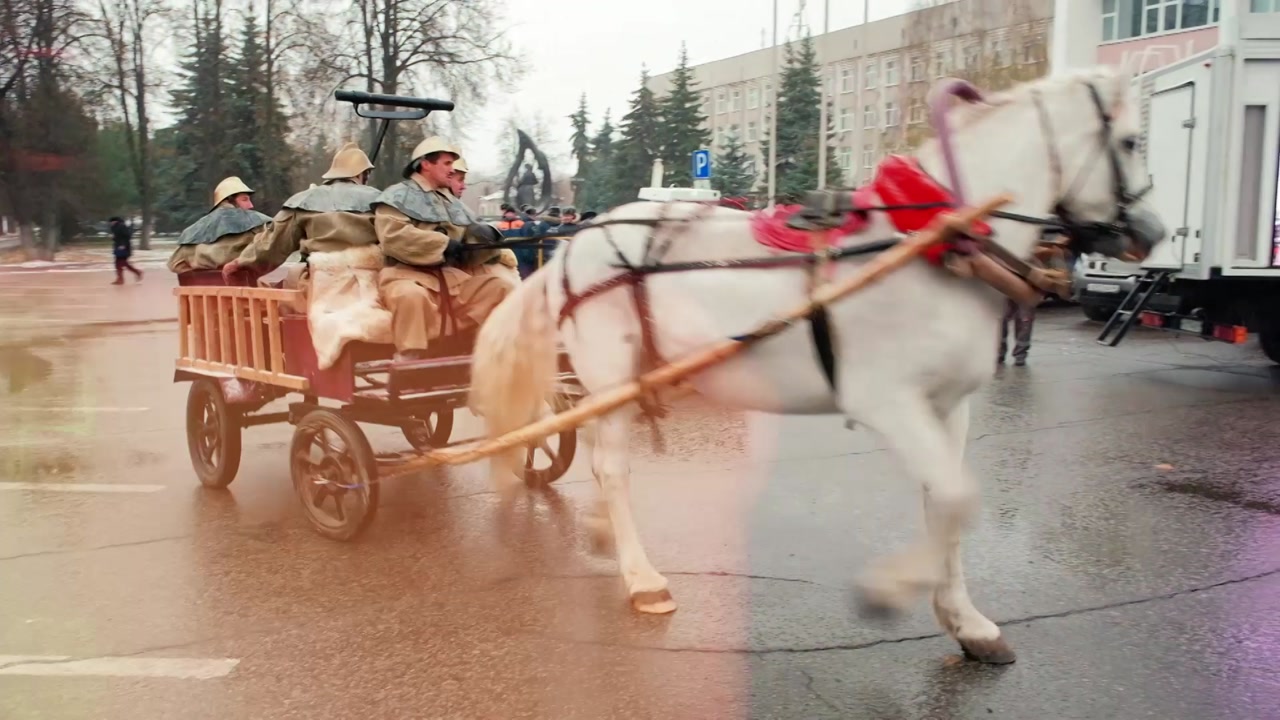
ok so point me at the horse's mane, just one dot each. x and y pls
(965, 114)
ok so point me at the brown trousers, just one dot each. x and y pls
(418, 313)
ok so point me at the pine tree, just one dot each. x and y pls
(735, 173)
(259, 147)
(640, 144)
(580, 142)
(598, 183)
(799, 117)
(202, 157)
(682, 125)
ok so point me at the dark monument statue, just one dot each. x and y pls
(524, 191)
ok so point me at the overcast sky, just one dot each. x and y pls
(576, 46)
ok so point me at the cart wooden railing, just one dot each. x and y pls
(235, 331)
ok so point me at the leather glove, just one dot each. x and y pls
(482, 233)
(453, 253)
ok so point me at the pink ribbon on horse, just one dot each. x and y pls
(939, 104)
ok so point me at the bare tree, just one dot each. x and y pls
(418, 47)
(128, 29)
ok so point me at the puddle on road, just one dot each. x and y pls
(30, 464)
(20, 369)
(1221, 493)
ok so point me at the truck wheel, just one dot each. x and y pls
(1098, 313)
(1269, 339)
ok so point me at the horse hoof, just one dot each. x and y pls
(991, 652)
(657, 602)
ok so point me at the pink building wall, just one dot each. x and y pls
(1145, 54)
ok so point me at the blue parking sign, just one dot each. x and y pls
(701, 164)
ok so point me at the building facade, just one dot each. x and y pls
(877, 75)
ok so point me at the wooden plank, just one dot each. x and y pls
(273, 336)
(271, 294)
(224, 332)
(292, 382)
(255, 333)
(237, 318)
(206, 321)
(197, 329)
(184, 327)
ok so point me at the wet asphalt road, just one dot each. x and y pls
(1129, 543)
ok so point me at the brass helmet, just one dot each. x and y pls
(431, 145)
(228, 187)
(460, 165)
(349, 162)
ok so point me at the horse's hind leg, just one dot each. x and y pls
(978, 637)
(610, 463)
(910, 427)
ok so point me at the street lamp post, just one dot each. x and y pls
(822, 99)
(773, 125)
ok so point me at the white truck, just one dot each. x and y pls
(1212, 149)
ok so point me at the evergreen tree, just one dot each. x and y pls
(580, 142)
(202, 157)
(640, 144)
(799, 118)
(735, 173)
(598, 182)
(260, 150)
(682, 125)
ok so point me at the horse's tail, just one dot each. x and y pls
(514, 365)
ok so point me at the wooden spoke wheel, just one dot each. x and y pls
(439, 426)
(213, 434)
(548, 460)
(334, 474)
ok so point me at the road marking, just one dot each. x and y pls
(58, 665)
(74, 408)
(82, 487)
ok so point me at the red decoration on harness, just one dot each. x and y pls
(899, 180)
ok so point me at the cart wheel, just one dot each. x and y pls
(213, 434)
(439, 425)
(548, 460)
(334, 474)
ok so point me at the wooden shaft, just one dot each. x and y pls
(941, 229)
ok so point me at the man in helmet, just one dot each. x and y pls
(421, 227)
(330, 217)
(481, 261)
(223, 233)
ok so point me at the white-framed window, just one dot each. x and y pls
(719, 137)
(998, 51)
(848, 78)
(733, 132)
(753, 98)
(916, 115)
(1031, 50)
(1127, 19)
(972, 56)
(890, 72)
(868, 155)
(753, 132)
(890, 114)
(917, 69)
(1110, 19)
(720, 102)
(735, 101)
(942, 62)
(873, 72)
(846, 120)
(1264, 6)
(845, 156)
(868, 116)
(768, 94)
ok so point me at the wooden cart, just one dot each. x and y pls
(242, 348)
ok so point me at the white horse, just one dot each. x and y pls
(909, 351)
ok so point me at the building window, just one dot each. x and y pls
(1110, 19)
(720, 102)
(890, 115)
(998, 51)
(1264, 6)
(846, 120)
(942, 63)
(868, 116)
(890, 72)
(733, 132)
(972, 56)
(846, 159)
(867, 156)
(1126, 19)
(753, 133)
(916, 115)
(848, 79)
(873, 70)
(735, 101)
(917, 69)
(753, 98)
(768, 94)
(720, 137)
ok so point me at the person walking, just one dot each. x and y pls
(1023, 319)
(122, 249)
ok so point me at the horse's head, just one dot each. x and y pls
(1091, 127)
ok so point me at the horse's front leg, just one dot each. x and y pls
(978, 637)
(909, 426)
(611, 465)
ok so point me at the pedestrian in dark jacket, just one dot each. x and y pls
(122, 249)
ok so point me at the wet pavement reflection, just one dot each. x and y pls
(1129, 544)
